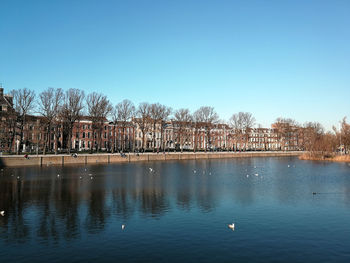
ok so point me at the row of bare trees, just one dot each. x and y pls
(313, 137)
(61, 110)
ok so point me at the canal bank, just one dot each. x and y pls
(45, 160)
(325, 157)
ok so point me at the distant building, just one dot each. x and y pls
(8, 121)
(135, 135)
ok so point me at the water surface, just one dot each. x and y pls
(178, 212)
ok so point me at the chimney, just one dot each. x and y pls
(1, 91)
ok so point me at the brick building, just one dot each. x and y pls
(160, 135)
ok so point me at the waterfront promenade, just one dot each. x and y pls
(103, 158)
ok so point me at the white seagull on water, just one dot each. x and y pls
(231, 226)
(2, 213)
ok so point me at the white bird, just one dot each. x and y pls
(123, 227)
(90, 174)
(17, 177)
(150, 169)
(231, 226)
(80, 177)
(58, 175)
(209, 173)
(256, 174)
(247, 175)
(2, 213)
(288, 165)
(91, 178)
(194, 171)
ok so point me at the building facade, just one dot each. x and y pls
(137, 136)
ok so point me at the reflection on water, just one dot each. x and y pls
(188, 203)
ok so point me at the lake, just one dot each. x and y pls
(284, 210)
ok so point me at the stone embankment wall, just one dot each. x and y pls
(45, 160)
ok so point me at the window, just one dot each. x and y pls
(83, 135)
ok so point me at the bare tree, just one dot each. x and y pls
(71, 111)
(312, 136)
(248, 123)
(50, 102)
(158, 114)
(236, 122)
(99, 108)
(208, 117)
(317, 142)
(125, 111)
(24, 104)
(183, 121)
(242, 123)
(164, 113)
(287, 132)
(345, 135)
(196, 124)
(142, 120)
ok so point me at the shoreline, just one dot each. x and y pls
(47, 160)
(338, 158)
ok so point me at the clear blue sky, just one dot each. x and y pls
(271, 58)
